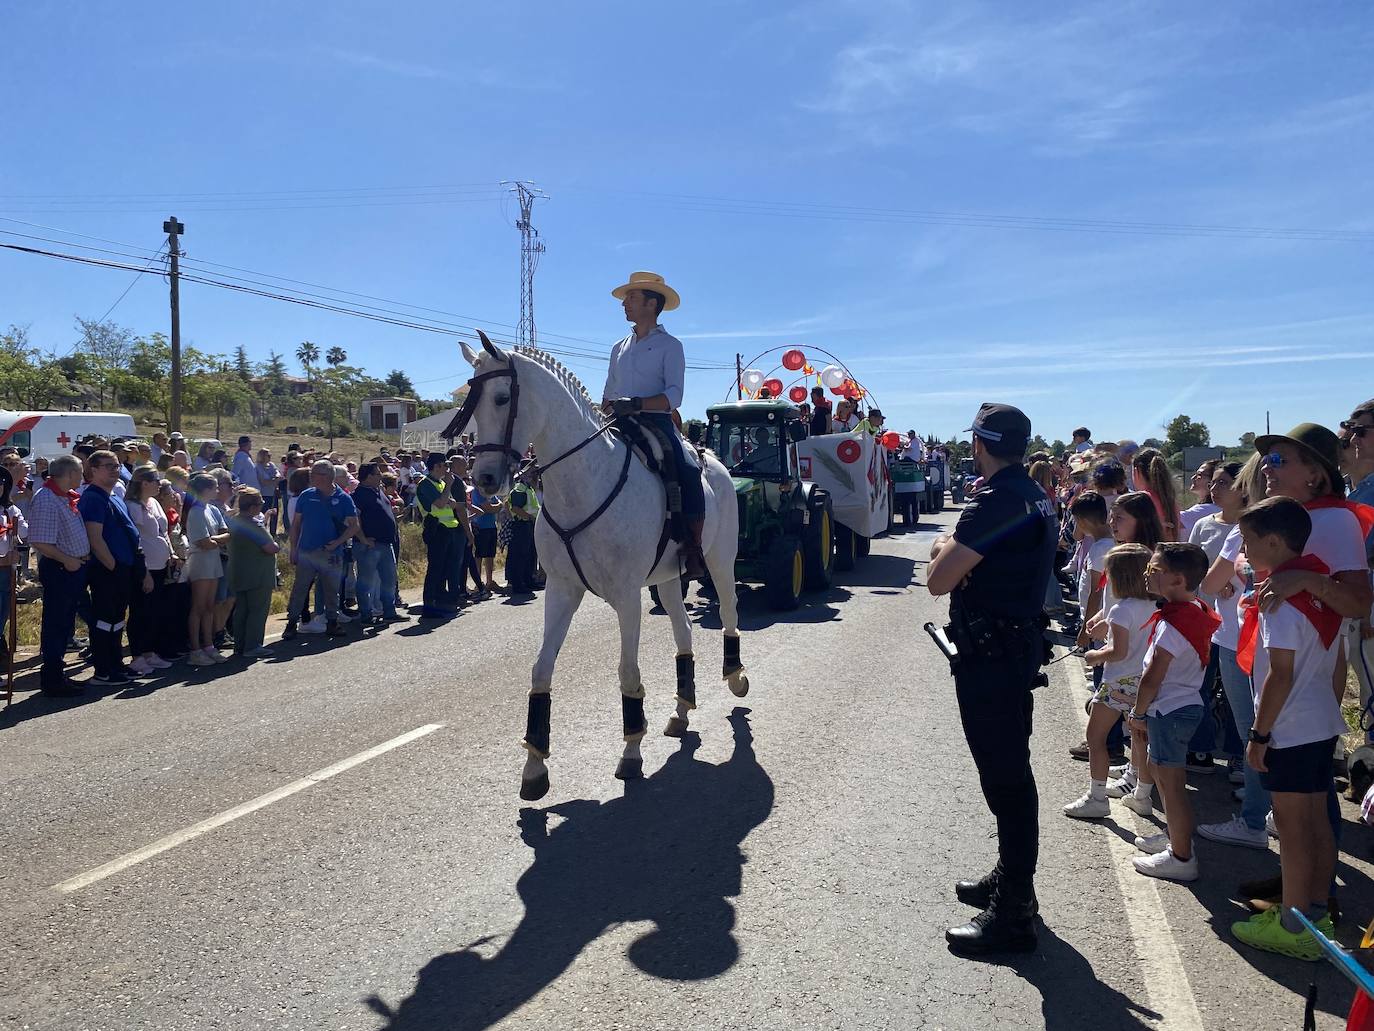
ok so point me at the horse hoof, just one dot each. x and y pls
(676, 727)
(534, 790)
(630, 769)
(739, 686)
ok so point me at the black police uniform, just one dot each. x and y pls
(996, 622)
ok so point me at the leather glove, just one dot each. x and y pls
(623, 406)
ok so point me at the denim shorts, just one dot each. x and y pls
(1171, 733)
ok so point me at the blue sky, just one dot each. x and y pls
(822, 135)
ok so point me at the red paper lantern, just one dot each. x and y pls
(797, 394)
(838, 391)
(773, 386)
(892, 440)
(793, 360)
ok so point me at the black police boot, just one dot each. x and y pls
(978, 894)
(1007, 925)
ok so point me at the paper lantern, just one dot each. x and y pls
(797, 395)
(832, 376)
(837, 391)
(892, 440)
(774, 387)
(793, 360)
(752, 380)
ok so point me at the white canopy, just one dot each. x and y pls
(428, 432)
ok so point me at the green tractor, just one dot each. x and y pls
(786, 525)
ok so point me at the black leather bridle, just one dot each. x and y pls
(507, 446)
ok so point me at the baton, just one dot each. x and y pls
(1075, 650)
(942, 642)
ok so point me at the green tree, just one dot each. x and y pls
(217, 388)
(308, 355)
(1037, 443)
(1247, 441)
(243, 368)
(1182, 432)
(108, 347)
(1058, 448)
(399, 383)
(27, 379)
(336, 356)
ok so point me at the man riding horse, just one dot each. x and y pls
(645, 380)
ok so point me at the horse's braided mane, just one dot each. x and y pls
(563, 374)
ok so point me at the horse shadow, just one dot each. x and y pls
(667, 851)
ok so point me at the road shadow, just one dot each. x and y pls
(667, 851)
(1071, 996)
(897, 572)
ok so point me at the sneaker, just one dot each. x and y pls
(1139, 806)
(1266, 931)
(140, 667)
(345, 617)
(158, 662)
(1088, 808)
(1079, 752)
(1271, 826)
(1235, 771)
(1118, 769)
(1152, 844)
(1235, 831)
(289, 632)
(396, 617)
(1166, 866)
(315, 626)
(113, 677)
(199, 658)
(1121, 787)
(217, 655)
(1200, 762)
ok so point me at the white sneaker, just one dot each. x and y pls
(1235, 831)
(344, 617)
(1088, 808)
(1121, 787)
(1166, 866)
(315, 626)
(157, 662)
(1153, 844)
(1118, 770)
(140, 667)
(1139, 806)
(1271, 826)
(199, 659)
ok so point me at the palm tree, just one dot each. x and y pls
(307, 354)
(336, 356)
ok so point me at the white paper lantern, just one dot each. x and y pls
(832, 376)
(752, 379)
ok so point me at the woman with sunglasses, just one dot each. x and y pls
(1357, 462)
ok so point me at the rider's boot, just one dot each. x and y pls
(693, 561)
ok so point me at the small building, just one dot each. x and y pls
(386, 414)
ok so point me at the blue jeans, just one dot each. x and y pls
(1237, 687)
(62, 592)
(376, 579)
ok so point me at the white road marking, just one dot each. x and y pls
(1161, 965)
(180, 837)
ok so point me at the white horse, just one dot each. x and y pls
(601, 528)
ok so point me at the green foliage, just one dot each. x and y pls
(27, 379)
(1058, 448)
(399, 383)
(308, 355)
(1183, 432)
(1037, 443)
(107, 348)
(1247, 442)
(243, 368)
(336, 356)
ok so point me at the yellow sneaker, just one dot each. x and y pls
(1266, 931)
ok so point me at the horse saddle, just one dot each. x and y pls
(650, 444)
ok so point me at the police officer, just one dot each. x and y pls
(995, 567)
(646, 379)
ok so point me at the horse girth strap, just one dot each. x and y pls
(567, 535)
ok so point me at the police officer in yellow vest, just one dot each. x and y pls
(444, 534)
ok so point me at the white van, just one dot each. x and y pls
(49, 434)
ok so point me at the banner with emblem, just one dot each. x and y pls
(853, 468)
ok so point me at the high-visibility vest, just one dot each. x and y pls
(443, 513)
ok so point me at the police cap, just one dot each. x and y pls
(1004, 429)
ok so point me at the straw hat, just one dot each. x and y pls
(649, 281)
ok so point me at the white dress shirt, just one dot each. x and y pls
(646, 368)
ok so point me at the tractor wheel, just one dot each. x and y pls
(820, 547)
(846, 550)
(785, 574)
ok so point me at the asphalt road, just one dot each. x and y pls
(790, 867)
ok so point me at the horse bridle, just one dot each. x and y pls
(507, 446)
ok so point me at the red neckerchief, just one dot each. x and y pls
(72, 496)
(1325, 621)
(1194, 619)
(1363, 513)
(173, 517)
(1102, 582)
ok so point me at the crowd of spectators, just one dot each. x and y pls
(170, 558)
(1224, 629)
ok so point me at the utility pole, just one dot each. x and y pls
(173, 229)
(739, 376)
(531, 247)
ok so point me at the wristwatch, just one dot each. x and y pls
(1259, 739)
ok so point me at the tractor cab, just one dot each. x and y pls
(754, 439)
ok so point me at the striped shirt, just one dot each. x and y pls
(52, 521)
